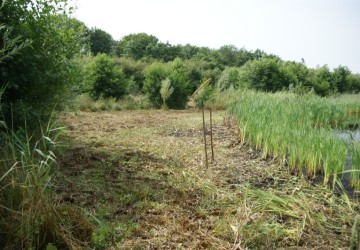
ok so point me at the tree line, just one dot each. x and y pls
(145, 62)
(65, 58)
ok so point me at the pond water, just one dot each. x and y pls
(346, 180)
(348, 135)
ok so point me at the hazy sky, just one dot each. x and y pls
(320, 31)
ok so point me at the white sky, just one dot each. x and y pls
(320, 31)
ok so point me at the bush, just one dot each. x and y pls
(230, 77)
(106, 80)
(154, 74)
(206, 94)
(320, 81)
(134, 70)
(266, 74)
(41, 76)
(180, 81)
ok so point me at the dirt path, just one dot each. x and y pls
(142, 175)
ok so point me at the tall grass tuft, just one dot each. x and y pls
(30, 219)
(299, 131)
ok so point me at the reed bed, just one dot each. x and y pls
(301, 132)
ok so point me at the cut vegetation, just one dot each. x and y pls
(141, 177)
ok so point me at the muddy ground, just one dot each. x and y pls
(142, 178)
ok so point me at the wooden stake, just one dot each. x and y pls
(203, 115)
(211, 138)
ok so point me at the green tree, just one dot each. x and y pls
(10, 46)
(320, 81)
(40, 77)
(354, 81)
(106, 80)
(154, 74)
(133, 69)
(100, 41)
(230, 78)
(266, 74)
(299, 72)
(227, 55)
(188, 51)
(179, 74)
(163, 51)
(339, 79)
(136, 46)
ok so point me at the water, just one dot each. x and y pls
(348, 135)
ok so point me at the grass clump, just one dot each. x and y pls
(30, 218)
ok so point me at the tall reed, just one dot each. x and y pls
(30, 219)
(299, 131)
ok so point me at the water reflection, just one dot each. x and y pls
(350, 135)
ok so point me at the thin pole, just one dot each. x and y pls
(203, 116)
(211, 138)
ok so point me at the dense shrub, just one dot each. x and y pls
(230, 77)
(180, 76)
(354, 82)
(42, 75)
(339, 79)
(266, 74)
(134, 71)
(181, 82)
(320, 81)
(154, 74)
(105, 79)
(100, 41)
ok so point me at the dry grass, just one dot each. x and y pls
(142, 176)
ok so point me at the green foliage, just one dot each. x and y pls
(179, 74)
(339, 79)
(180, 80)
(102, 236)
(229, 78)
(265, 74)
(136, 46)
(100, 42)
(10, 46)
(296, 130)
(163, 51)
(42, 74)
(227, 55)
(206, 94)
(106, 80)
(321, 81)
(154, 74)
(133, 70)
(188, 51)
(354, 82)
(29, 217)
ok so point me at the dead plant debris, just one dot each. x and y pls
(143, 174)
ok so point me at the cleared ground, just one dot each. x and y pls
(141, 176)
